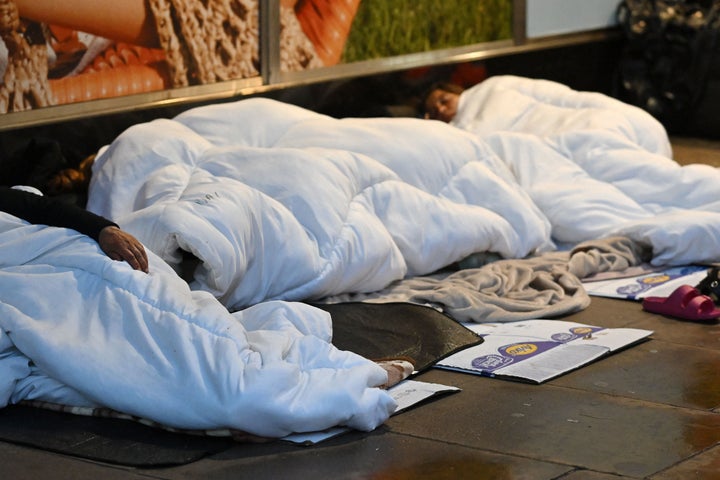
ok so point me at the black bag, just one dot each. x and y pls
(669, 65)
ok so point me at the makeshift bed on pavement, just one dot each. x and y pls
(249, 208)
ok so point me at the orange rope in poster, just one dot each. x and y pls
(121, 70)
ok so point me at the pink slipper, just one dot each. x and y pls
(685, 302)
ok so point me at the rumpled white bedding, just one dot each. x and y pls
(596, 167)
(81, 329)
(276, 202)
(279, 202)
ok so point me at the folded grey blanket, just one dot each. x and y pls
(542, 286)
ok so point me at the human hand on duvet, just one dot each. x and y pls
(120, 245)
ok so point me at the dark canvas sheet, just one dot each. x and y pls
(393, 330)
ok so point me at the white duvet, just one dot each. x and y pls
(259, 204)
(278, 202)
(81, 329)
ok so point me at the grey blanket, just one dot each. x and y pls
(542, 286)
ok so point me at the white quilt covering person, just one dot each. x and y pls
(279, 202)
(597, 167)
(81, 329)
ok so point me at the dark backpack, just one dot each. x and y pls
(669, 64)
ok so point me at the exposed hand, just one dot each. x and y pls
(397, 370)
(120, 245)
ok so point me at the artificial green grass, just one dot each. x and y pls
(386, 28)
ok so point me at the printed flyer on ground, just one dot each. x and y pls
(538, 350)
(658, 283)
(407, 393)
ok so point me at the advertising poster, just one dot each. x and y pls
(55, 53)
(323, 33)
(59, 53)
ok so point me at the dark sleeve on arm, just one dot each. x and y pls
(48, 211)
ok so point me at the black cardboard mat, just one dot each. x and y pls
(375, 331)
(110, 440)
(382, 330)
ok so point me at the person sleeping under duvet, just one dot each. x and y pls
(441, 101)
(78, 328)
(543, 108)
